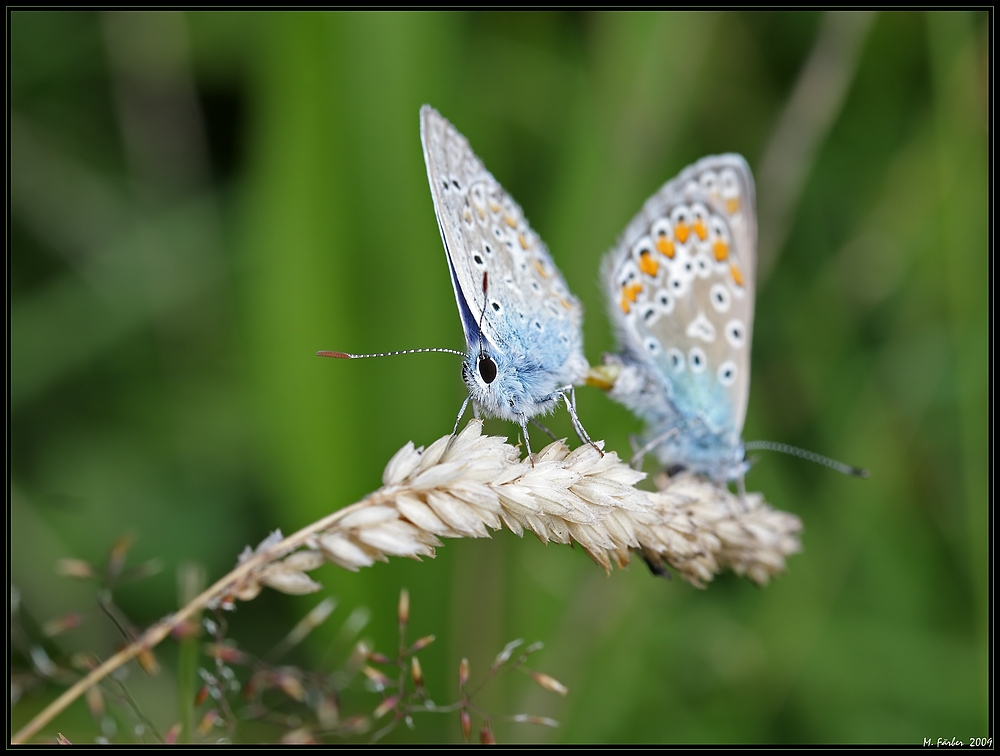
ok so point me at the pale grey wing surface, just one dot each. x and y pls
(484, 231)
(682, 286)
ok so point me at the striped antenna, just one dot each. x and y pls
(348, 356)
(819, 459)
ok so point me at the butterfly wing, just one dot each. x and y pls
(680, 285)
(526, 312)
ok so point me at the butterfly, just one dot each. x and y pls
(680, 290)
(522, 325)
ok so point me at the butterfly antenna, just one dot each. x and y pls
(348, 356)
(819, 459)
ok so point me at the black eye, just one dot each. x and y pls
(487, 369)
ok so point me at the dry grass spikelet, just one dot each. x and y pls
(467, 485)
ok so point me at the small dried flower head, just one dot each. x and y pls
(466, 724)
(385, 707)
(378, 680)
(59, 625)
(171, 736)
(289, 682)
(208, 721)
(463, 673)
(147, 660)
(95, 702)
(225, 652)
(328, 712)
(75, 568)
(505, 654)
(416, 672)
(299, 736)
(354, 725)
(117, 555)
(404, 607)
(421, 643)
(549, 683)
(531, 719)
(486, 735)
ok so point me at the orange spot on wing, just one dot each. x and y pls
(681, 231)
(732, 205)
(523, 241)
(629, 294)
(510, 221)
(494, 206)
(633, 290)
(564, 303)
(540, 269)
(721, 250)
(737, 276)
(699, 228)
(481, 211)
(665, 246)
(647, 264)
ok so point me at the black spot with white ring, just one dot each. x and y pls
(665, 301)
(727, 373)
(697, 359)
(721, 298)
(736, 333)
(676, 359)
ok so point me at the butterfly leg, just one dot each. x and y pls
(543, 429)
(641, 453)
(568, 393)
(461, 412)
(527, 443)
(741, 488)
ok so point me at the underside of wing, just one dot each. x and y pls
(680, 285)
(526, 306)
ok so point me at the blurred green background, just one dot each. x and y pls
(199, 202)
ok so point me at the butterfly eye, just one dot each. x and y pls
(487, 369)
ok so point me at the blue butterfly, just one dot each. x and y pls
(680, 288)
(522, 325)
